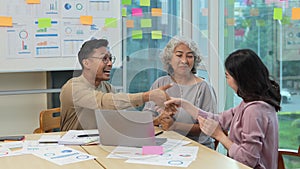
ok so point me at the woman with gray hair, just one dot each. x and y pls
(180, 58)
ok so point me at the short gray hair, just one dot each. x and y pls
(167, 53)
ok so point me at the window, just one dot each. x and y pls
(250, 24)
(141, 64)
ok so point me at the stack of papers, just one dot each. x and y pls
(175, 154)
(80, 137)
(58, 154)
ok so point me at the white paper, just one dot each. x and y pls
(121, 152)
(177, 157)
(49, 139)
(62, 155)
(11, 148)
(71, 137)
(133, 152)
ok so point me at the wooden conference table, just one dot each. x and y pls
(206, 158)
(30, 161)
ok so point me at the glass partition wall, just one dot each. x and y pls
(272, 29)
(269, 27)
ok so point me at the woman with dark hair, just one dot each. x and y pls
(253, 124)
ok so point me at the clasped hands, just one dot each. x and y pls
(165, 119)
(208, 126)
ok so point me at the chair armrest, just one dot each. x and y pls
(289, 152)
(38, 130)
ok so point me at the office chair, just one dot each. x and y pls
(288, 152)
(49, 121)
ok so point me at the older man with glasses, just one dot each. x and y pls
(82, 95)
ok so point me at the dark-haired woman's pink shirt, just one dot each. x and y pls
(253, 129)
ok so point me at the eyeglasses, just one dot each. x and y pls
(106, 58)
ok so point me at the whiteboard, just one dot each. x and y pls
(27, 46)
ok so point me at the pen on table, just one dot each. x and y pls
(159, 133)
(88, 135)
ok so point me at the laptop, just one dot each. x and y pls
(126, 128)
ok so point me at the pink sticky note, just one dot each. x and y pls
(137, 12)
(152, 150)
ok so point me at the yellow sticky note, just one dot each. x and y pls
(126, 2)
(260, 22)
(124, 11)
(86, 20)
(33, 1)
(231, 2)
(111, 22)
(6, 21)
(156, 34)
(225, 32)
(254, 12)
(277, 14)
(144, 2)
(156, 12)
(295, 13)
(44, 22)
(130, 23)
(146, 23)
(137, 34)
(286, 20)
(246, 23)
(230, 21)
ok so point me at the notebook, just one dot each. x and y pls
(126, 128)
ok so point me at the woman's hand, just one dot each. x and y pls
(210, 127)
(186, 105)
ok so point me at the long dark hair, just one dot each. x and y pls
(252, 78)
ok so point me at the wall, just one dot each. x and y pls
(20, 113)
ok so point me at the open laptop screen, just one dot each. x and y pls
(125, 128)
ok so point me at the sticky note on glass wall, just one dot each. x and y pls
(44, 22)
(86, 20)
(231, 2)
(6, 21)
(137, 34)
(126, 2)
(136, 12)
(230, 21)
(277, 14)
(156, 12)
(156, 34)
(130, 23)
(225, 32)
(144, 2)
(124, 11)
(33, 1)
(111, 22)
(286, 20)
(295, 13)
(146, 23)
(260, 22)
(254, 12)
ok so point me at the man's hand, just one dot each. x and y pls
(159, 96)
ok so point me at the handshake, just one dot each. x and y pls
(159, 97)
